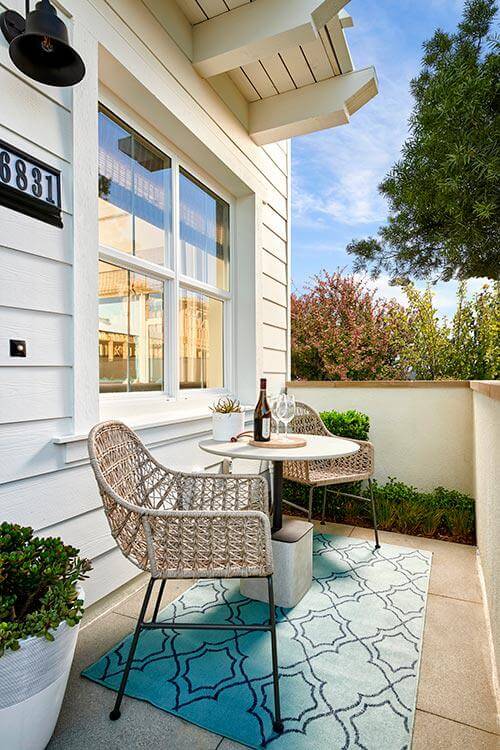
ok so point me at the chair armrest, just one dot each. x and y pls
(208, 544)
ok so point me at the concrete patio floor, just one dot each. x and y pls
(456, 706)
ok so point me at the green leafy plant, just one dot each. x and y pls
(442, 514)
(351, 424)
(226, 405)
(37, 585)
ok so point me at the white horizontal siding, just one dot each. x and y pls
(274, 290)
(274, 361)
(275, 222)
(26, 448)
(59, 496)
(275, 315)
(88, 532)
(275, 382)
(29, 393)
(49, 338)
(274, 338)
(274, 244)
(33, 283)
(47, 241)
(274, 267)
(29, 112)
(109, 571)
(278, 156)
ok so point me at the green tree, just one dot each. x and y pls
(466, 347)
(443, 192)
(427, 349)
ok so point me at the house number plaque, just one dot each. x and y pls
(29, 186)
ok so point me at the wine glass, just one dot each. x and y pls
(273, 403)
(285, 410)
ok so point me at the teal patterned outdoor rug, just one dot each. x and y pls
(349, 655)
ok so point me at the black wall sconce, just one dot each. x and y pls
(39, 46)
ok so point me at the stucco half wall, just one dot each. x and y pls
(486, 410)
(422, 431)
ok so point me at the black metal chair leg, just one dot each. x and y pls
(323, 512)
(116, 713)
(374, 513)
(277, 723)
(310, 506)
(158, 600)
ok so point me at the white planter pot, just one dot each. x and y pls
(32, 685)
(226, 426)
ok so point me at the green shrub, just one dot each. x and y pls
(37, 585)
(442, 513)
(350, 424)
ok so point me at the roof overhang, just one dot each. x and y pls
(258, 44)
(321, 105)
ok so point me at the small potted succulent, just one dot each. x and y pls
(228, 418)
(41, 605)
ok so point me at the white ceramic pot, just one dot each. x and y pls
(32, 685)
(226, 426)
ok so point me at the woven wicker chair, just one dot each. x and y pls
(179, 525)
(328, 472)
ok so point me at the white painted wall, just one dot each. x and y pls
(48, 284)
(422, 435)
(487, 492)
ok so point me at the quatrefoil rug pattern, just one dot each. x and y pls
(349, 655)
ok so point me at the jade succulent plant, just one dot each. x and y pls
(37, 585)
(226, 405)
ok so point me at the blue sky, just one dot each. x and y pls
(336, 172)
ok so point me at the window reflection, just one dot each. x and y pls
(201, 340)
(130, 331)
(204, 233)
(134, 193)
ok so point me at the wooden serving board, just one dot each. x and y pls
(294, 441)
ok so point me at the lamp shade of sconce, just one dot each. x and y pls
(40, 47)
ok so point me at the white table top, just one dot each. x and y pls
(318, 446)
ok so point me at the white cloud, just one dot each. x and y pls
(337, 172)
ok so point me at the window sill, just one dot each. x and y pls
(157, 422)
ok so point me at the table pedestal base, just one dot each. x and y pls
(292, 553)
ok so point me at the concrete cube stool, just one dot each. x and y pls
(292, 553)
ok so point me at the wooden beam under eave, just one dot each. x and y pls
(345, 19)
(315, 107)
(257, 30)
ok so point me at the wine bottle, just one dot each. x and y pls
(262, 416)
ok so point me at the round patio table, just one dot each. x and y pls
(317, 447)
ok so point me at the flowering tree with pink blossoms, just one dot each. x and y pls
(342, 331)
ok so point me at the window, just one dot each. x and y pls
(164, 290)
(134, 193)
(204, 233)
(201, 340)
(130, 330)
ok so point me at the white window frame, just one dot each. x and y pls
(173, 280)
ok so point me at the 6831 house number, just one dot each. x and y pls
(29, 186)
